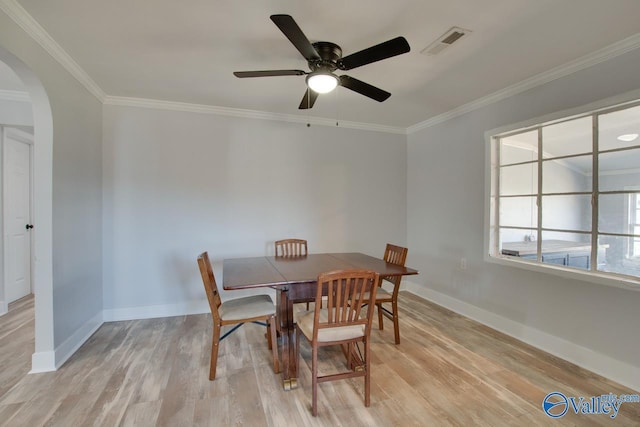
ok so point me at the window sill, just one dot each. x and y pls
(567, 273)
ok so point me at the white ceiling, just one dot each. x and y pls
(186, 51)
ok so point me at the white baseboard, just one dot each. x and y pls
(51, 360)
(44, 361)
(621, 372)
(4, 307)
(65, 350)
(152, 311)
(48, 361)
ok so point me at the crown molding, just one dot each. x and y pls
(14, 95)
(251, 114)
(601, 55)
(22, 18)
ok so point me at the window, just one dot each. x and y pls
(568, 193)
(634, 224)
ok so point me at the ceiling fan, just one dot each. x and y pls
(324, 58)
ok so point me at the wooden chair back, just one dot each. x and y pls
(209, 281)
(291, 247)
(348, 291)
(395, 255)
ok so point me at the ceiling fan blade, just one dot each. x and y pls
(268, 73)
(295, 35)
(308, 100)
(364, 88)
(381, 51)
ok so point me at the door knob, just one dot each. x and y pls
(28, 226)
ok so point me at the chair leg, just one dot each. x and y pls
(268, 334)
(396, 321)
(380, 323)
(273, 340)
(367, 374)
(215, 342)
(314, 380)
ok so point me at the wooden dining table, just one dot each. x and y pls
(295, 280)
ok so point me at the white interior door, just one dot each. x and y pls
(16, 179)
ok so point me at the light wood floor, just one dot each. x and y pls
(448, 370)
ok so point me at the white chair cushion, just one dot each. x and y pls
(338, 333)
(247, 307)
(381, 293)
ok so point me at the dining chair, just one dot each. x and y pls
(255, 309)
(291, 247)
(340, 321)
(395, 255)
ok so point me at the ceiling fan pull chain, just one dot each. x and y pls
(308, 109)
(335, 95)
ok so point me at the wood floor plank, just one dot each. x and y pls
(211, 412)
(17, 340)
(448, 371)
(145, 414)
(7, 412)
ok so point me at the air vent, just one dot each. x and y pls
(447, 39)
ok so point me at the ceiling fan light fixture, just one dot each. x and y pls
(628, 137)
(322, 82)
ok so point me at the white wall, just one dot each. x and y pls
(77, 206)
(74, 173)
(178, 183)
(446, 202)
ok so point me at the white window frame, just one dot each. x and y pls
(492, 253)
(633, 221)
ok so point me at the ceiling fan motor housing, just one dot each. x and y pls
(330, 54)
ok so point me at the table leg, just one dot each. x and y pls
(284, 307)
(354, 362)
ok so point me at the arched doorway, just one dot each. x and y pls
(43, 358)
